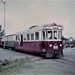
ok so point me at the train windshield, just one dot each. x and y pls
(49, 34)
(59, 34)
(53, 34)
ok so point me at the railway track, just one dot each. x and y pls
(65, 60)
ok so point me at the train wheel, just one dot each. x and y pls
(49, 55)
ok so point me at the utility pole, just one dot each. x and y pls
(4, 22)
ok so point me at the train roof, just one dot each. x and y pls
(52, 24)
(39, 28)
(21, 32)
(10, 35)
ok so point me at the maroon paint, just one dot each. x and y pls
(53, 43)
(36, 46)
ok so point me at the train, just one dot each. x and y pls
(44, 39)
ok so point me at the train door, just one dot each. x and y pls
(21, 43)
(43, 40)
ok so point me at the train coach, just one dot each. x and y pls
(44, 39)
(9, 41)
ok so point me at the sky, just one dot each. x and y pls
(22, 14)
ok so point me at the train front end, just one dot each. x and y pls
(53, 42)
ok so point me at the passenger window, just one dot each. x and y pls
(36, 35)
(24, 36)
(49, 34)
(32, 36)
(18, 37)
(27, 36)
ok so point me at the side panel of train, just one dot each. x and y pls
(29, 42)
(1, 44)
(29, 46)
(41, 47)
(39, 43)
(10, 44)
(9, 41)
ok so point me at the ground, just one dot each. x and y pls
(40, 66)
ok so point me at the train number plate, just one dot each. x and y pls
(55, 47)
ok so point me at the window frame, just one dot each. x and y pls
(44, 37)
(24, 37)
(36, 36)
(55, 37)
(28, 37)
(32, 38)
(59, 34)
(47, 35)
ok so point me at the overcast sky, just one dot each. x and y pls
(21, 14)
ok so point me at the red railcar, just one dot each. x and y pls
(2, 42)
(44, 39)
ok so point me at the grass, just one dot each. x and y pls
(9, 68)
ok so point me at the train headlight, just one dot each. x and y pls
(50, 45)
(60, 45)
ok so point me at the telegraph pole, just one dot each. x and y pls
(4, 21)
